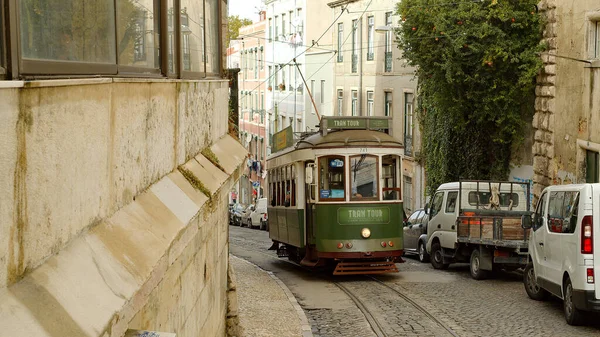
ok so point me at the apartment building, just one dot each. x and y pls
(371, 79)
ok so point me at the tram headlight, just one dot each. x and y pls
(365, 232)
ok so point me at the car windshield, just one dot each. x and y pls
(239, 207)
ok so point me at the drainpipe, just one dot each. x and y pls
(360, 67)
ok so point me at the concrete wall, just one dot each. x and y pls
(567, 94)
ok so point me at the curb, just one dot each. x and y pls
(304, 325)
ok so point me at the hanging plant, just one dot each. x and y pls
(282, 86)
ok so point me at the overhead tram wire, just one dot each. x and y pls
(334, 54)
(303, 52)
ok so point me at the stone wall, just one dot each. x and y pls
(567, 94)
(74, 152)
(111, 219)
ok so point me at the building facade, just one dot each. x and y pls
(566, 147)
(371, 79)
(252, 100)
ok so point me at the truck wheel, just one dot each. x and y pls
(250, 224)
(437, 258)
(573, 315)
(423, 256)
(262, 225)
(476, 272)
(532, 288)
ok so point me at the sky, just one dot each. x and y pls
(245, 8)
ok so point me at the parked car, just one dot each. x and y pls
(415, 235)
(564, 261)
(259, 216)
(245, 215)
(236, 214)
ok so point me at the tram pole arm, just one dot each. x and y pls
(308, 90)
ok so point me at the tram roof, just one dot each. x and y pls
(345, 138)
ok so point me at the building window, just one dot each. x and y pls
(322, 91)
(388, 104)
(354, 46)
(276, 28)
(592, 174)
(407, 198)
(340, 45)
(270, 78)
(312, 87)
(370, 37)
(262, 59)
(340, 102)
(388, 43)
(370, 103)
(354, 102)
(270, 30)
(283, 24)
(596, 35)
(2, 48)
(408, 123)
(299, 29)
(110, 37)
(290, 87)
(291, 28)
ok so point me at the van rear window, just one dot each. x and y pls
(483, 198)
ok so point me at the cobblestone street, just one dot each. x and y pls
(494, 307)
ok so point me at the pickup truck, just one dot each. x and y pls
(479, 222)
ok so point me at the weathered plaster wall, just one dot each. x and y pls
(158, 263)
(567, 94)
(75, 151)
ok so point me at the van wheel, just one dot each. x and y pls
(573, 315)
(437, 258)
(250, 223)
(532, 288)
(262, 225)
(476, 272)
(423, 256)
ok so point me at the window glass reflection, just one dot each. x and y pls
(138, 33)
(192, 35)
(212, 37)
(68, 30)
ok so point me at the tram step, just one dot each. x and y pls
(366, 267)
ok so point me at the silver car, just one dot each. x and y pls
(415, 235)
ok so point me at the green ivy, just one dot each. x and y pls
(476, 62)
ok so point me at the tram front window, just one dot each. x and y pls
(363, 177)
(389, 178)
(332, 178)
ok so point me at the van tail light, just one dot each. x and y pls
(587, 235)
(590, 275)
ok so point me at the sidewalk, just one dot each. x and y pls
(266, 306)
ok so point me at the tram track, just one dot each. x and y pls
(380, 329)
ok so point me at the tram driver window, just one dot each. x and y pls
(389, 178)
(363, 177)
(332, 182)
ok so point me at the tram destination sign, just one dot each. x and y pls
(363, 215)
(335, 123)
(283, 139)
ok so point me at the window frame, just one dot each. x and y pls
(451, 194)
(340, 101)
(370, 38)
(28, 68)
(370, 103)
(319, 176)
(388, 105)
(376, 178)
(3, 39)
(340, 43)
(354, 100)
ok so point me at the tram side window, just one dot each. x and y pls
(332, 182)
(363, 177)
(389, 178)
(293, 186)
(272, 189)
(281, 188)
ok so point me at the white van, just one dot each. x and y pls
(259, 215)
(564, 251)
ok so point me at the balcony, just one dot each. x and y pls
(388, 61)
(354, 63)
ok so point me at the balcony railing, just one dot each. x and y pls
(388, 61)
(354, 63)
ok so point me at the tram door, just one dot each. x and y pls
(309, 192)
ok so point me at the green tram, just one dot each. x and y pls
(334, 196)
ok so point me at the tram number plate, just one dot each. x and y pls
(363, 150)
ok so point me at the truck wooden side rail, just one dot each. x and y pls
(490, 227)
